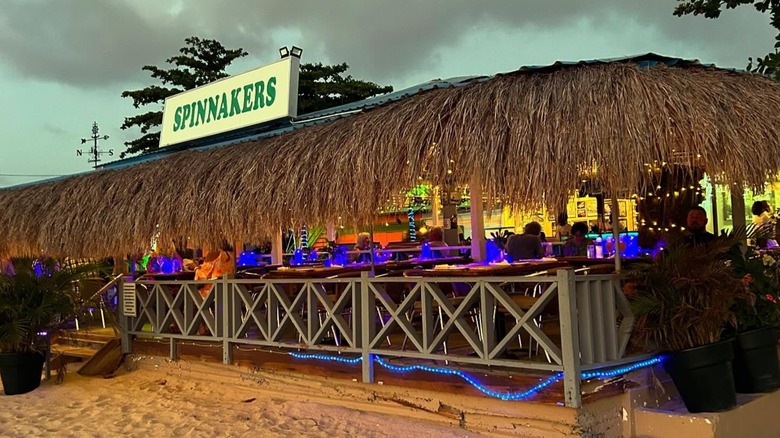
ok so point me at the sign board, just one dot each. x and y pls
(260, 95)
(129, 299)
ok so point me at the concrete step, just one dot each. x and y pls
(755, 416)
(657, 411)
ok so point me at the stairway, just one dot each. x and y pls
(83, 345)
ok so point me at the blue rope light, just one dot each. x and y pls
(470, 380)
(481, 388)
(327, 358)
(623, 370)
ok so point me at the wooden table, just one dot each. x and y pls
(318, 272)
(488, 270)
(177, 276)
(577, 261)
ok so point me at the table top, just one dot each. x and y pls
(508, 269)
(184, 275)
(578, 261)
(317, 272)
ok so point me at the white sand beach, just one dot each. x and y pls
(158, 401)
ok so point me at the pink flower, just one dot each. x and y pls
(771, 298)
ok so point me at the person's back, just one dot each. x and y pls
(436, 240)
(524, 247)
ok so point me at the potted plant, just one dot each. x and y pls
(682, 300)
(36, 297)
(756, 365)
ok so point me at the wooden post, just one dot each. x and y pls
(477, 220)
(616, 229)
(570, 338)
(368, 328)
(737, 208)
(277, 252)
(435, 206)
(238, 248)
(714, 219)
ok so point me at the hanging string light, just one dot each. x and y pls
(304, 237)
(412, 226)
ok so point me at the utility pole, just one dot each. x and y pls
(94, 152)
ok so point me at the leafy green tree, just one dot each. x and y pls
(325, 86)
(201, 61)
(770, 63)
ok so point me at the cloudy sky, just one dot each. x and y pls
(64, 63)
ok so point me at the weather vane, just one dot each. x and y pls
(94, 152)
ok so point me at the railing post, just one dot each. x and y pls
(224, 313)
(570, 338)
(367, 327)
(124, 322)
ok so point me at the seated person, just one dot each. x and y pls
(436, 240)
(697, 231)
(216, 264)
(527, 245)
(564, 228)
(363, 244)
(161, 264)
(577, 245)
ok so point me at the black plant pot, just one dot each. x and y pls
(703, 376)
(756, 365)
(21, 372)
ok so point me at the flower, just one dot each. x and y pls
(771, 298)
(747, 279)
(768, 260)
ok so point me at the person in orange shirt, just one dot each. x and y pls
(216, 264)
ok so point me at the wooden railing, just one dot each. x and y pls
(511, 322)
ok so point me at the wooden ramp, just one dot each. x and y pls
(98, 349)
(105, 361)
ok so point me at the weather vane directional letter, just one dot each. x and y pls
(94, 152)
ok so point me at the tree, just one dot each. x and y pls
(323, 86)
(201, 61)
(768, 65)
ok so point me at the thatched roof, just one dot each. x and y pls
(528, 133)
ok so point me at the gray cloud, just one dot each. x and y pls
(89, 43)
(81, 43)
(53, 129)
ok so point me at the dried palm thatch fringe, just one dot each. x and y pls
(529, 134)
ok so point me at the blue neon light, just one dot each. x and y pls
(425, 251)
(354, 361)
(249, 258)
(473, 382)
(492, 252)
(297, 259)
(512, 396)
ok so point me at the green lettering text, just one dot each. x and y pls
(223, 110)
(235, 107)
(271, 91)
(177, 119)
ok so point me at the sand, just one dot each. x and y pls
(153, 401)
